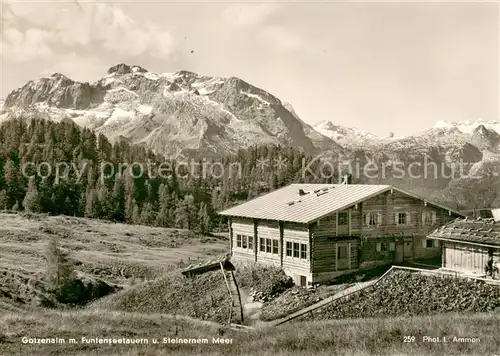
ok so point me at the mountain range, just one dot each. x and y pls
(184, 114)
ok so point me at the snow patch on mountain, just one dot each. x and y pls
(144, 109)
(469, 126)
(255, 96)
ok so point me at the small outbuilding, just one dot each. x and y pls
(470, 246)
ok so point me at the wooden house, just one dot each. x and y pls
(316, 232)
(468, 244)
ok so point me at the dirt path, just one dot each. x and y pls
(251, 309)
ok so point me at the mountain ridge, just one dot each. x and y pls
(171, 113)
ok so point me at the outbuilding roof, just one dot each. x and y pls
(306, 203)
(476, 231)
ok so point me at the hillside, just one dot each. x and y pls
(116, 253)
(203, 297)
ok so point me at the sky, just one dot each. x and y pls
(380, 67)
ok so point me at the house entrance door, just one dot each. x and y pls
(343, 255)
(399, 252)
(408, 249)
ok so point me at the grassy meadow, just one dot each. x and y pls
(156, 301)
(325, 338)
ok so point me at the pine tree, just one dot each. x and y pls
(90, 202)
(118, 201)
(82, 202)
(68, 206)
(204, 222)
(147, 214)
(31, 200)
(3, 199)
(16, 206)
(136, 215)
(58, 267)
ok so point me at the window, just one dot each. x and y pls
(372, 219)
(268, 245)
(402, 219)
(341, 252)
(392, 246)
(382, 246)
(275, 247)
(262, 243)
(431, 243)
(244, 241)
(429, 218)
(343, 217)
(296, 249)
(289, 249)
(303, 251)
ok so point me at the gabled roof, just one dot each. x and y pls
(286, 204)
(476, 231)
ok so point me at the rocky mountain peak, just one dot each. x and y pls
(484, 138)
(123, 68)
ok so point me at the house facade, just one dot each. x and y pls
(468, 244)
(316, 232)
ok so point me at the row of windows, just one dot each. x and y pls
(269, 246)
(293, 249)
(401, 218)
(244, 241)
(391, 246)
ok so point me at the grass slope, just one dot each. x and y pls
(203, 297)
(117, 253)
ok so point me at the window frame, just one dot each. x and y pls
(343, 218)
(296, 250)
(402, 216)
(238, 240)
(303, 251)
(275, 247)
(289, 249)
(344, 248)
(269, 247)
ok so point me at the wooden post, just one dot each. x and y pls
(230, 227)
(256, 238)
(281, 225)
(350, 222)
(336, 254)
(362, 218)
(311, 247)
(349, 253)
(336, 224)
(386, 222)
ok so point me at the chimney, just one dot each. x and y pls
(301, 192)
(347, 179)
